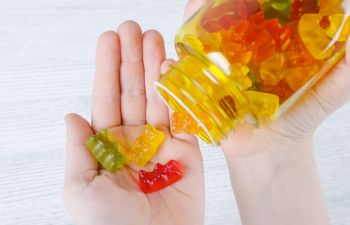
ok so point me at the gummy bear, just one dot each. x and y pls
(298, 76)
(233, 47)
(280, 9)
(281, 35)
(265, 106)
(224, 16)
(145, 146)
(314, 36)
(210, 41)
(297, 53)
(247, 42)
(183, 123)
(336, 22)
(282, 90)
(161, 177)
(239, 73)
(301, 7)
(259, 40)
(328, 7)
(280, 5)
(271, 68)
(105, 151)
(257, 17)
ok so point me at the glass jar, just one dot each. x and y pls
(249, 60)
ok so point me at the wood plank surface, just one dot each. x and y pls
(46, 67)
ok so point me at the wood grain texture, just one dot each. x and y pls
(46, 67)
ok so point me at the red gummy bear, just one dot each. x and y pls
(161, 177)
(228, 14)
(301, 7)
(281, 35)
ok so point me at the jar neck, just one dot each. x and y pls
(198, 87)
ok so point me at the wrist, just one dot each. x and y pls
(260, 161)
(260, 168)
(276, 184)
(271, 143)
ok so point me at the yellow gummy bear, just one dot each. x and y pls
(183, 123)
(337, 22)
(314, 36)
(271, 68)
(328, 7)
(265, 106)
(298, 76)
(145, 146)
(211, 41)
(239, 73)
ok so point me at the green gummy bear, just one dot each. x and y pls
(280, 5)
(280, 9)
(105, 151)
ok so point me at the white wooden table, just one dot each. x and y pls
(46, 67)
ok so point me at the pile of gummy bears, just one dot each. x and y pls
(281, 43)
(113, 156)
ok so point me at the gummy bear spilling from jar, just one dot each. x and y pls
(183, 123)
(106, 152)
(161, 177)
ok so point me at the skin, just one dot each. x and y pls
(273, 171)
(127, 63)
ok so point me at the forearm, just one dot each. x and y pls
(278, 187)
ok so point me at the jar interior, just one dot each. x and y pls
(250, 60)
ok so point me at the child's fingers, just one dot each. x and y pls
(106, 94)
(153, 56)
(133, 104)
(81, 167)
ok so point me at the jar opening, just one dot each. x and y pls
(178, 105)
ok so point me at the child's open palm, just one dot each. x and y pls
(127, 64)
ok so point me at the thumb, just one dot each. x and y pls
(80, 164)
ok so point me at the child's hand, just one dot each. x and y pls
(273, 171)
(275, 166)
(127, 64)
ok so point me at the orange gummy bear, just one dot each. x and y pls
(183, 123)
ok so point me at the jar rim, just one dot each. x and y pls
(157, 85)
